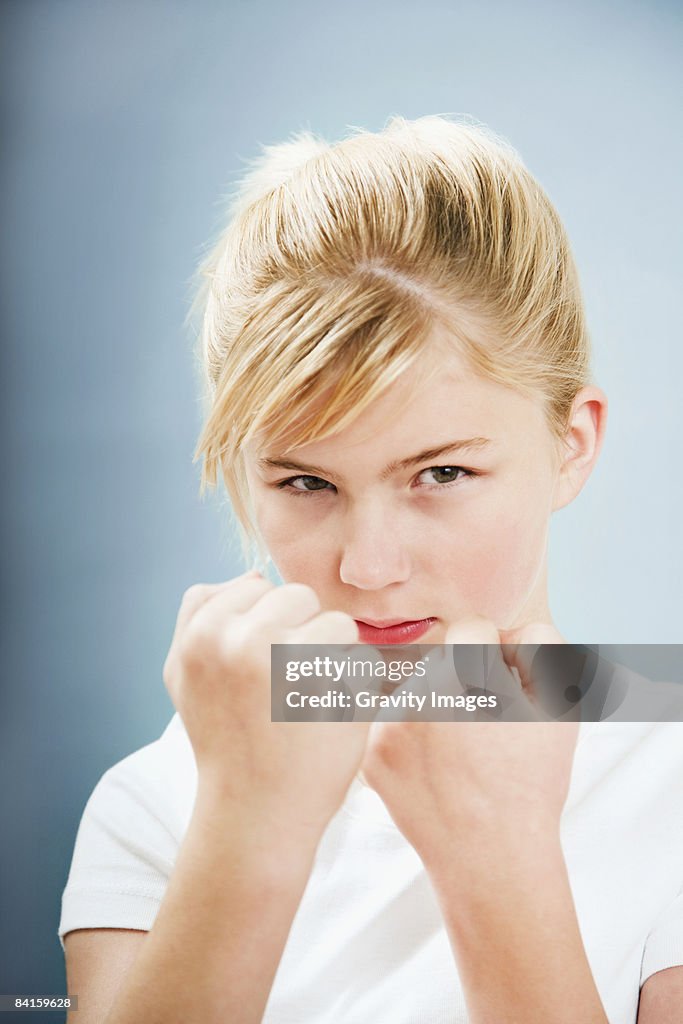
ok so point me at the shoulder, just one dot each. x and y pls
(129, 835)
(166, 766)
(630, 769)
(158, 782)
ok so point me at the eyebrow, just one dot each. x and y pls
(469, 444)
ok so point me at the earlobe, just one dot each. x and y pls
(582, 444)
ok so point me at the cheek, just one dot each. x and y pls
(494, 567)
(300, 555)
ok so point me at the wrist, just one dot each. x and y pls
(497, 867)
(256, 837)
(493, 847)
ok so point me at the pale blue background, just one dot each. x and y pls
(123, 124)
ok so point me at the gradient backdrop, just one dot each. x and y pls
(123, 125)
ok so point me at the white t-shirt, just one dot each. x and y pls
(367, 942)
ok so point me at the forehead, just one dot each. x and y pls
(439, 402)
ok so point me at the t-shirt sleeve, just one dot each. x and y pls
(126, 846)
(664, 944)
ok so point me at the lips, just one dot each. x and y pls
(392, 631)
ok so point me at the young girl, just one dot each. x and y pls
(398, 398)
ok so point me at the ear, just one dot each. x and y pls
(581, 445)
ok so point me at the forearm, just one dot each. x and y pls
(212, 953)
(510, 916)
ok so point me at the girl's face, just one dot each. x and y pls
(432, 505)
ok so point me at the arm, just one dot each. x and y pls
(661, 997)
(481, 803)
(266, 791)
(218, 937)
(97, 960)
(510, 917)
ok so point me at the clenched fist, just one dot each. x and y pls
(284, 775)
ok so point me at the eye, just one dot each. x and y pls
(434, 478)
(305, 484)
(441, 475)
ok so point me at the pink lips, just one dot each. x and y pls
(392, 631)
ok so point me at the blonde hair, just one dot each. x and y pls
(338, 261)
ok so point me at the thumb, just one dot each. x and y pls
(521, 645)
(479, 665)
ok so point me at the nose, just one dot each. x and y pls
(373, 556)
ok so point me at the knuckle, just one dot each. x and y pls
(198, 643)
(539, 633)
(255, 581)
(168, 671)
(194, 593)
(234, 644)
(302, 594)
(241, 636)
(340, 624)
(255, 589)
(340, 618)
